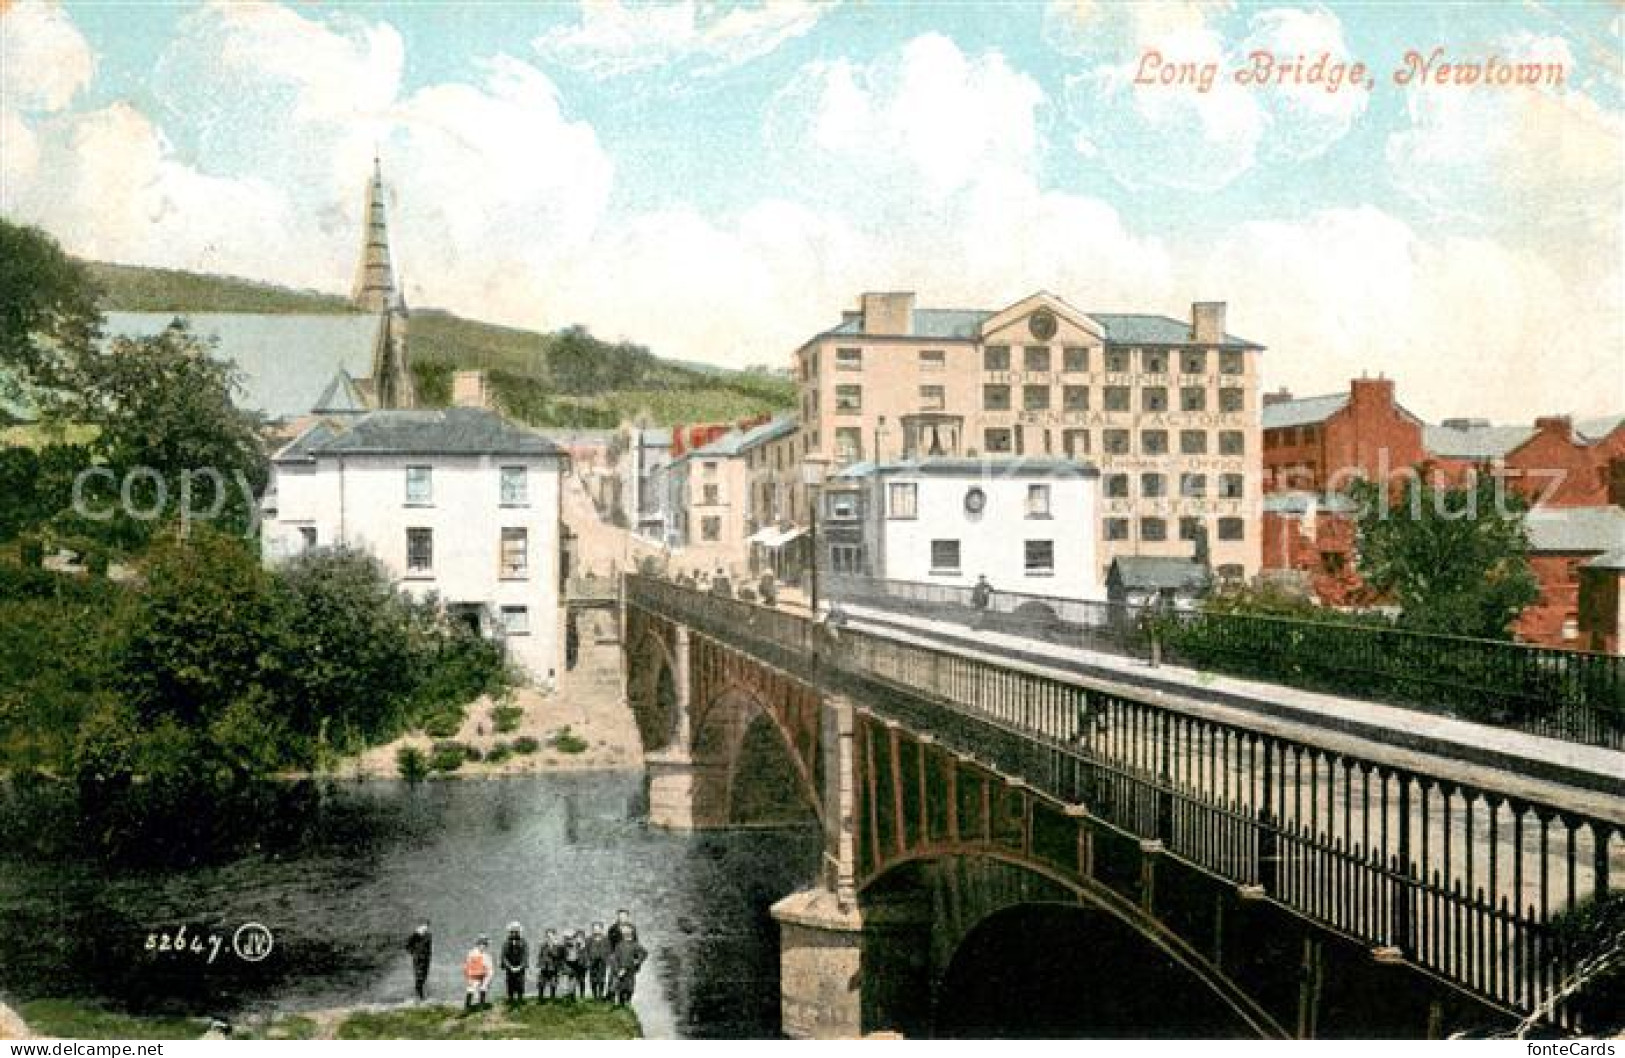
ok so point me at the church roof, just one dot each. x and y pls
(288, 360)
(341, 395)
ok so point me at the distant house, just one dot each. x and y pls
(1141, 580)
(458, 503)
(1563, 542)
(1027, 525)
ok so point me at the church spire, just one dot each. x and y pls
(374, 278)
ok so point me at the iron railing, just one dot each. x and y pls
(1566, 694)
(1461, 879)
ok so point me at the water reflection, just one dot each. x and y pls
(341, 872)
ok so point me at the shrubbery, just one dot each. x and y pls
(505, 719)
(448, 756)
(412, 764)
(525, 745)
(567, 741)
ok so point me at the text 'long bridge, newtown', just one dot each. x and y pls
(1117, 848)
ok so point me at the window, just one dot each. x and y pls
(1035, 398)
(1154, 398)
(1154, 442)
(1193, 442)
(709, 468)
(1193, 485)
(515, 553)
(1116, 486)
(842, 506)
(1116, 398)
(945, 556)
(849, 359)
(848, 444)
(1075, 398)
(996, 440)
(902, 500)
(1035, 358)
(1038, 501)
(995, 398)
(307, 536)
(933, 398)
(1116, 361)
(711, 527)
(848, 398)
(1232, 442)
(1193, 361)
(1039, 558)
(1116, 442)
(933, 360)
(1075, 358)
(1192, 398)
(1153, 529)
(515, 487)
(1154, 361)
(1153, 486)
(1230, 486)
(419, 550)
(516, 620)
(419, 486)
(1231, 529)
(1116, 528)
(996, 358)
(1189, 527)
(710, 495)
(1232, 398)
(1075, 442)
(1231, 362)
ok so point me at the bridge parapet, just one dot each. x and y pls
(1459, 877)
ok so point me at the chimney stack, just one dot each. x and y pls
(1207, 322)
(1560, 425)
(1280, 396)
(1370, 393)
(1616, 481)
(888, 313)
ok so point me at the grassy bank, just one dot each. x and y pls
(76, 1019)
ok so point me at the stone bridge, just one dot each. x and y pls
(1005, 850)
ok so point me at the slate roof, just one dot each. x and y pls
(1474, 442)
(1593, 430)
(1149, 572)
(440, 431)
(1575, 529)
(1121, 328)
(1304, 411)
(341, 395)
(737, 442)
(288, 360)
(1611, 560)
(1303, 502)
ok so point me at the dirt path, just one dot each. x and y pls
(12, 1027)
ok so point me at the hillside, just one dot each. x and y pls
(566, 378)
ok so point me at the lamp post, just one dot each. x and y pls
(812, 475)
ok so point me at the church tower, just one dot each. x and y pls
(391, 364)
(374, 289)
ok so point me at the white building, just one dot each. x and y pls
(456, 502)
(1028, 525)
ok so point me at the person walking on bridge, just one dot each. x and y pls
(420, 945)
(477, 971)
(549, 961)
(515, 961)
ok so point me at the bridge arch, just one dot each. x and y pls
(651, 687)
(748, 768)
(937, 925)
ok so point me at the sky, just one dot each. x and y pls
(719, 181)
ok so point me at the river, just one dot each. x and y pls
(340, 873)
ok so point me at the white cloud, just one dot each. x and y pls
(613, 38)
(44, 61)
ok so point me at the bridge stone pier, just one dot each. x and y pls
(1081, 858)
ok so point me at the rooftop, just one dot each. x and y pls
(288, 360)
(1152, 572)
(1576, 529)
(1307, 502)
(737, 442)
(1304, 411)
(961, 466)
(1475, 441)
(1593, 430)
(441, 431)
(965, 325)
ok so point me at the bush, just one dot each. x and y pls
(31, 549)
(567, 741)
(505, 719)
(498, 753)
(448, 756)
(444, 723)
(526, 745)
(473, 754)
(411, 763)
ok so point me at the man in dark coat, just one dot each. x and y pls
(575, 963)
(623, 919)
(421, 947)
(598, 949)
(624, 963)
(549, 961)
(515, 959)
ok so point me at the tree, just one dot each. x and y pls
(48, 313)
(1453, 558)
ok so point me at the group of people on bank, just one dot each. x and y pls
(575, 964)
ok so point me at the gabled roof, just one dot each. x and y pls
(1575, 529)
(1305, 411)
(1593, 430)
(442, 431)
(1149, 572)
(287, 360)
(965, 324)
(737, 442)
(341, 395)
(1473, 442)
